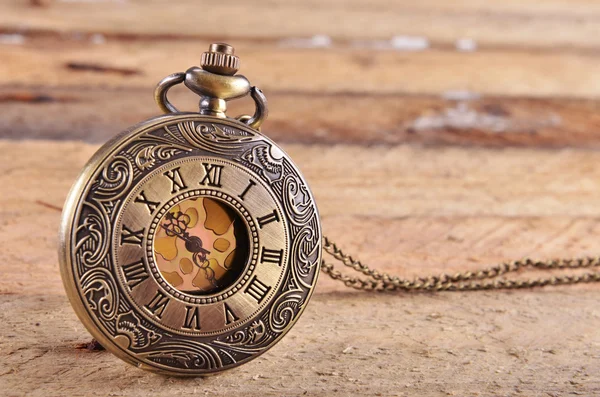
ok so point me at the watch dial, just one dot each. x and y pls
(201, 246)
(191, 245)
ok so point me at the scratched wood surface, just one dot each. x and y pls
(436, 136)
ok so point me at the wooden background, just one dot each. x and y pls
(436, 136)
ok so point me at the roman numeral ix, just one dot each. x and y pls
(212, 175)
(129, 236)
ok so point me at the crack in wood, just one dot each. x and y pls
(98, 68)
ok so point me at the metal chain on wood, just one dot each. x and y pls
(484, 279)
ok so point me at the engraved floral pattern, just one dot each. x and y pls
(94, 222)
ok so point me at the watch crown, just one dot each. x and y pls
(219, 59)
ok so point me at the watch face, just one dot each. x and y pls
(190, 245)
(201, 245)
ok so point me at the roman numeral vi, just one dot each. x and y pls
(192, 318)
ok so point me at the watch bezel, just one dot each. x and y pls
(72, 208)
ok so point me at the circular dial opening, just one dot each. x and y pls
(201, 246)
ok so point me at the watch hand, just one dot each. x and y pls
(181, 236)
(192, 244)
(208, 272)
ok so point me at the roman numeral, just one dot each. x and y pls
(230, 316)
(252, 183)
(129, 236)
(213, 175)
(192, 318)
(151, 205)
(264, 220)
(177, 182)
(135, 273)
(257, 290)
(158, 304)
(271, 256)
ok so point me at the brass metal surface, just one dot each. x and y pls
(208, 84)
(485, 279)
(190, 243)
(216, 84)
(220, 59)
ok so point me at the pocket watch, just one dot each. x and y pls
(191, 243)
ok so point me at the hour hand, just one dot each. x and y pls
(194, 244)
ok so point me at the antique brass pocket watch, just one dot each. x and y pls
(191, 243)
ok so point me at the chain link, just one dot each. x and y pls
(484, 279)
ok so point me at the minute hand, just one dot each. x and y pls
(181, 236)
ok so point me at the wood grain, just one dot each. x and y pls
(124, 63)
(96, 114)
(540, 23)
(527, 76)
(437, 137)
(422, 211)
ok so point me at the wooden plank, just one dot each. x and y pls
(486, 344)
(136, 64)
(487, 92)
(545, 24)
(422, 210)
(440, 209)
(96, 114)
(494, 96)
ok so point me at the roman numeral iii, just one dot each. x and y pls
(271, 256)
(135, 273)
(134, 237)
(212, 175)
(257, 290)
(177, 182)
